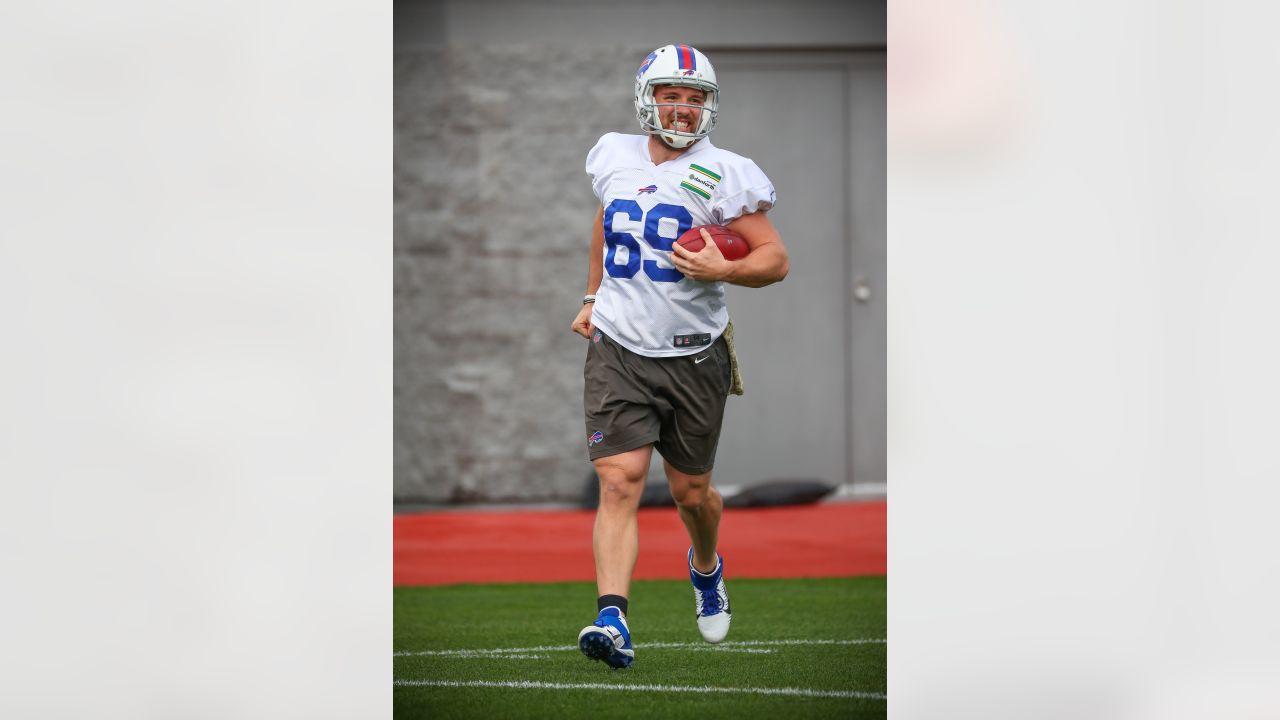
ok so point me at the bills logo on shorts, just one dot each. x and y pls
(595, 438)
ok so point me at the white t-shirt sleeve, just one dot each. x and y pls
(600, 163)
(745, 189)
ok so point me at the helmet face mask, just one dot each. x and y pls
(684, 66)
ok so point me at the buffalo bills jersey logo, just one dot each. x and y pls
(650, 189)
(647, 62)
(595, 438)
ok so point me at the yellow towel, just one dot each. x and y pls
(735, 387)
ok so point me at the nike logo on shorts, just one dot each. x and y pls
(704, 357)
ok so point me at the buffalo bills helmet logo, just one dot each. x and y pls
(647, 62)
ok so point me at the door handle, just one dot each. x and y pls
(861, 289)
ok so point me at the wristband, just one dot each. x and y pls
(588, 299)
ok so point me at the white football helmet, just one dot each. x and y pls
(676, 65)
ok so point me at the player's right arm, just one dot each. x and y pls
(595, 273)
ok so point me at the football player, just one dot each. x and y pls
(659, 357)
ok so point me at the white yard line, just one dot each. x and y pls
(490, 655)
(530, 685)
(736, 646)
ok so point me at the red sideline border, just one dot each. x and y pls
(445, 548)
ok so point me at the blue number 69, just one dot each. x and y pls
(661, 211)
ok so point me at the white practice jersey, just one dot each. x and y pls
(644, 303)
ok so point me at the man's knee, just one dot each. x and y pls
(622, 477)
(690, 493)
(691, 499)
(619, 487)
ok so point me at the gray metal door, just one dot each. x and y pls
(812, 347)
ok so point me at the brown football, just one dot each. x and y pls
(731, 244)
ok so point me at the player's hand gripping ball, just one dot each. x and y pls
(731, 244)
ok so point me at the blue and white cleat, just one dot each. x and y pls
(608, 639)
(711, 601)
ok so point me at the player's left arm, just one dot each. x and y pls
(766, 262)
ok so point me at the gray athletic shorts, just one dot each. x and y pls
(676, 403)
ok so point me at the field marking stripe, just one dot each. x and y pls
(464, 652)
(532, 685)
(480, 654)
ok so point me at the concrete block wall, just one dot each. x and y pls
(492, 217)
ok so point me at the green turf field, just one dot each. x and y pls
(456, 645)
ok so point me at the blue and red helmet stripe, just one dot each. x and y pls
(688, 60)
